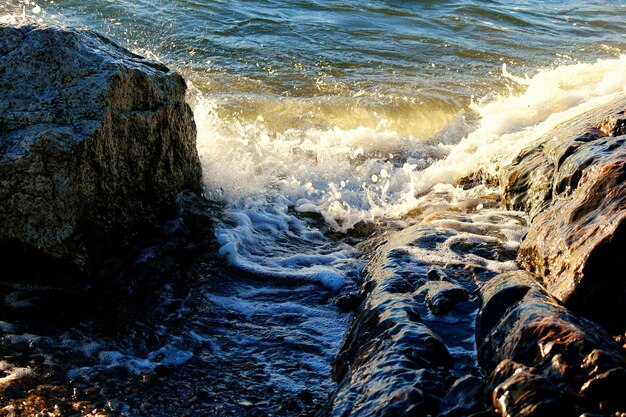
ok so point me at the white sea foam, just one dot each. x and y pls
(363, 173)
(510, 123)
(347, 176)
(326, 323)
(168, 355)
(314, 327)
(267, 176)
(249, 307)
(23, 11)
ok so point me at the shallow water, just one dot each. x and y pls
(316, 118)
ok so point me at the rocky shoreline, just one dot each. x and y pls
(535, 353)
(577, 212)
(516, 312)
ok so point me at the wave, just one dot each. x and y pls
(510, 123)
(363, 173)
(347, 176)
(300, 144)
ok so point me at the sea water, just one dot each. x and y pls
(316, 118)
(353, 110)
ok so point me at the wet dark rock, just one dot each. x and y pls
(521, 391)
(464, 397)
(614, 124)
(537, 174)
(442, 296)
(348, 302)
(437, 274)
(95, 142)
(396, 357)
(607, 389)
(576, 244)
(380, 363)
(541, 357)
(526, 185)
(497, 298)
(487, 249)
(572, 183)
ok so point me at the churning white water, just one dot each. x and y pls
(270, 177)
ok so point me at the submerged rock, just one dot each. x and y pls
(95, 142)
(541, 359)
(573, 184)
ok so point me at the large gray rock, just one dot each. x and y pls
(95, 141)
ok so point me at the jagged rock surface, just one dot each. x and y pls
(409, 348)
(95, 141)
(542, 359)
(544, 171)
(572, 183)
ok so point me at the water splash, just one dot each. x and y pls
(510, 123)
(364, 174)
